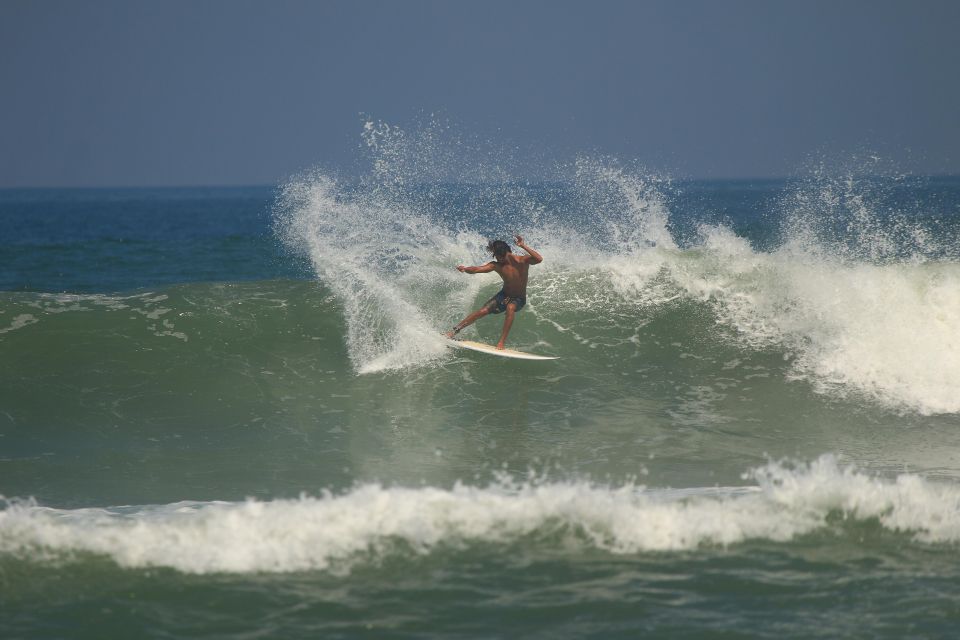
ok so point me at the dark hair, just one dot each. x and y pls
(499, 248)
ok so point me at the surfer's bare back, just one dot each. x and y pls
(513, 269)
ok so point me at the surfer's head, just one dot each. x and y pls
(498, 248)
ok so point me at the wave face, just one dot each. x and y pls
(887, 333)
(333, 532)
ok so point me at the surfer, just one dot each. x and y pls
(513, 296)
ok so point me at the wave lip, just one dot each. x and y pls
(332, 532)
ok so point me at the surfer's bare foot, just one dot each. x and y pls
(500, 346)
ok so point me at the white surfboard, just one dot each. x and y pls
(492, 350)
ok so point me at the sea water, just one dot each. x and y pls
(230, 413)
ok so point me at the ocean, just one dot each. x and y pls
(229, 413)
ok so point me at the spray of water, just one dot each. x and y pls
(388, 244)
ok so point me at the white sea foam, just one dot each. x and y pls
(18, 322)
(146, 305)
(333, 532)
(890, 331)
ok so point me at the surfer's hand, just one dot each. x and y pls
(519, 239)
(461, 268)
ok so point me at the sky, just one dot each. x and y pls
(236, 92)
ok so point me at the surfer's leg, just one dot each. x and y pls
(469, 320)
(507, 322)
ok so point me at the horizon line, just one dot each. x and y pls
(264, 185)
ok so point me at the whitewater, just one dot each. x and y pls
(332, 532)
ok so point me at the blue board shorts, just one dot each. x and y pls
(499, 302)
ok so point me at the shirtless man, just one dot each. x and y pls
(513, 269)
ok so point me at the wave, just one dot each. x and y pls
(874, 313)
(859, 297)
(370, 522)
(887, 333)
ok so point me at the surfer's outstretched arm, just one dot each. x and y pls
(487, 268)
(535, 257)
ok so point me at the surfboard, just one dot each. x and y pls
(493, 351)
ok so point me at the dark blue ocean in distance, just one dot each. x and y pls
(228, 412)
(109, 240)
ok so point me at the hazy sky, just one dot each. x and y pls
(103, 93)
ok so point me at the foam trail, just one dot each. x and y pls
(332, 532)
